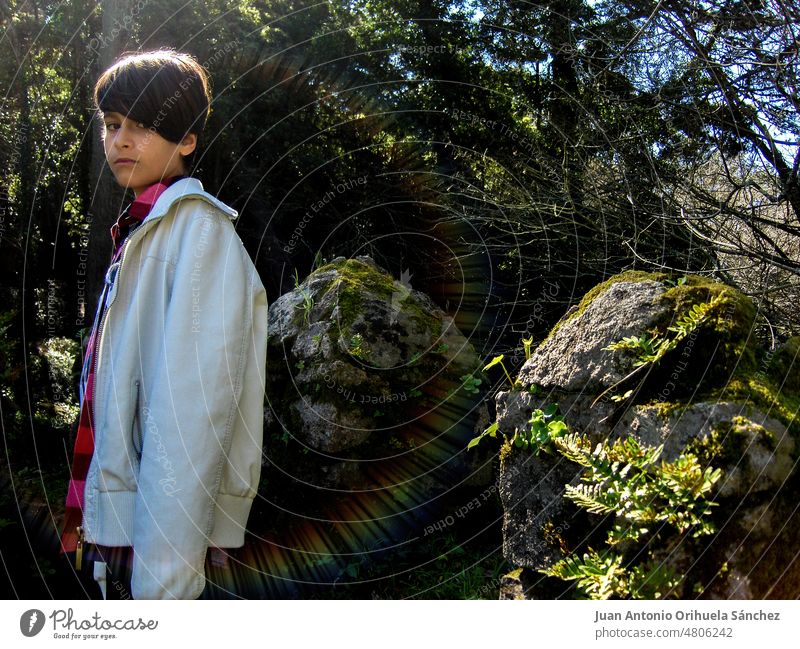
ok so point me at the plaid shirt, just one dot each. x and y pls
(130, 218)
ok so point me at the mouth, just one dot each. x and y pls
(124, 161)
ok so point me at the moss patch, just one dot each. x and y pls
(731, 320)
(761, 391)
(746, 386)
(721, 348)
(745, 362)
(506, 449)
(357, 279)
(728, 443)
(666, 409)
(784, 366)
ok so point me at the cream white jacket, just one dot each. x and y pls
(178, 394)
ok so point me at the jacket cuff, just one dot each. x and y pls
(230, 518)
(113, 517)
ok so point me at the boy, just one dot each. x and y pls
(168, 453)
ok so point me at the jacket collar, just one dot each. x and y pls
(186, 188)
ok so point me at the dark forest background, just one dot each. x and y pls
(507, 156)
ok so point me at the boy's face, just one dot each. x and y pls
(139, 157)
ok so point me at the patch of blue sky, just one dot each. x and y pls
(471, 8)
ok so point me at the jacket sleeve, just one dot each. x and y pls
(190, 402)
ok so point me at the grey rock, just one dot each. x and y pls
(572, 359)
(353, 357)
(755, 451)
(329, 428)
(531, 491)
(762, 444)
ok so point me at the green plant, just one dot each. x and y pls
(308, 300)
(676, 282)
(445, 566)
(624, 478)
(8, 345)
(319, 261)
(646, 347)
(526, 344)
(498, 360)
(357, 347)
(470, 383)
(604, 576)
(649, 499)
(650, 350)
(545, 427)
(489, 432)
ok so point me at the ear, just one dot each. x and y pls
(188, 144)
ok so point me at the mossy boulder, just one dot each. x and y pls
(368, 393)
(575, 356)
(715, 393)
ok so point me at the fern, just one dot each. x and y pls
(644, 493)
(602, 577)
(575, 447)
(651, 580)
(597, 576)
(693, 318)
(595, 499)
(651, 349)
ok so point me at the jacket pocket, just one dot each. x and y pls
(136, 427)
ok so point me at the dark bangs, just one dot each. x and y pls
(165, 90)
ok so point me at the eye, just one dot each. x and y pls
(111, 126)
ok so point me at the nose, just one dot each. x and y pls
(123, 138)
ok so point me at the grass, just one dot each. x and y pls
(463, 561)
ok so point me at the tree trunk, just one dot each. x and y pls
(107, 197)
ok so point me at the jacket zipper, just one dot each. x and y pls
(98, 338)
(136, 438)
(105, 309)
(79, 550)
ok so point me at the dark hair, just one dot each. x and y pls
(166, 90)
